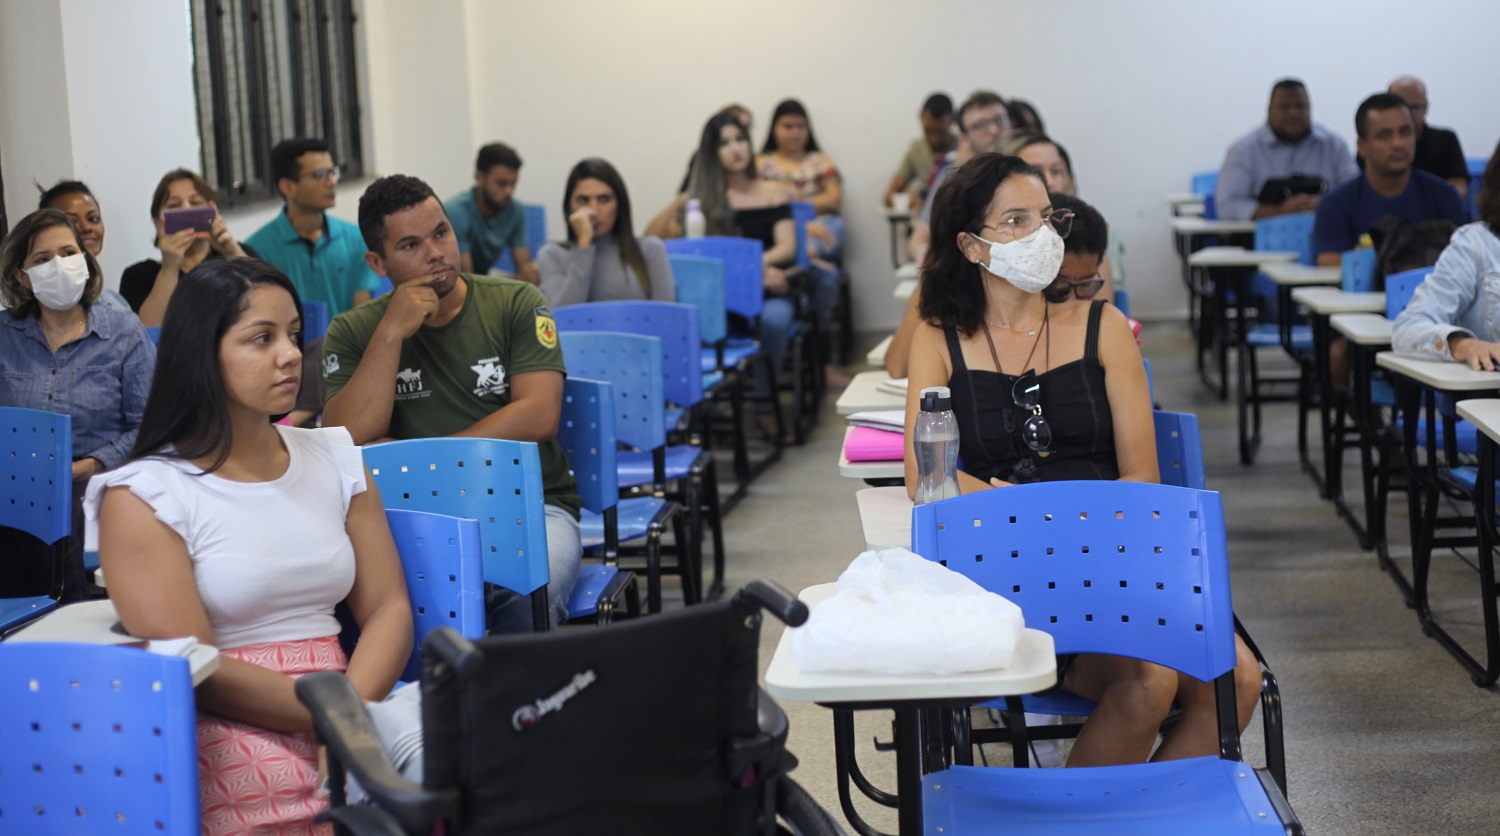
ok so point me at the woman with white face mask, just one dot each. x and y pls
(61, 352)
(1048, 392)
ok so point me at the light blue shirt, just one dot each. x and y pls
(1259, 156)
(486, 239)
(100, 379)
(330, 271)
(1461, 297)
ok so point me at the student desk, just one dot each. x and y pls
(1191, 234)
(96, 622)
(1367, 334)
(861, 394)
(913, 698)
(899, 222)
(1417, 383)
(904, 289)
(1225, 280)
(876, 357)
(1184, 204)
(1484, 414)
(872, 470)
(885, 516)
(1286, 277)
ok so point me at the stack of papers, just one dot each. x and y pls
(893, 420)
(892, 386)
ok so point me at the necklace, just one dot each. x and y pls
(1029, 331)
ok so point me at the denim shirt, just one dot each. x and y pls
(1461, 297)
(100, 379)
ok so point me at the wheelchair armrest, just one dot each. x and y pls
(773, 597)
(343, 725)
(770, 718)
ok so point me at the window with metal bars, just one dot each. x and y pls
(269, 70)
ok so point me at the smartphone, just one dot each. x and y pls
(200, 218)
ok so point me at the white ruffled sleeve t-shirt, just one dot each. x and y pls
(271, 559)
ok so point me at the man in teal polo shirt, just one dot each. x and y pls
(322, 255)
(488, 220)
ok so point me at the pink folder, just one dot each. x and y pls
(865, 444)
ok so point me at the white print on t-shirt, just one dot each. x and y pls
(330, 364)
(409, 385)
(491, 377)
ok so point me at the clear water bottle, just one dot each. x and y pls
(694, 224)
(935, 440)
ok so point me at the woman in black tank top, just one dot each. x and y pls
(1047, 392)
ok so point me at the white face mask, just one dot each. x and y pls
(1029, 263)
(58, 284)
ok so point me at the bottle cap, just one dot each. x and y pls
(936, 399)
(694, 205)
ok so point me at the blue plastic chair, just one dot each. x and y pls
(97, 739)
(154, 332)
(36, 496)
(536, 236)
(1179, 449)
(803, 214)
(440, 556)
(688, 465)
(1400, 287)
(382, 288)
(1357, 271)
(586, 431)
(314, 320)
(632, 364)
(1122, 301)
(494, 481)
(1476, 178)
(1120, 568)
(1205, 183)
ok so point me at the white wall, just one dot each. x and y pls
(1142, 93)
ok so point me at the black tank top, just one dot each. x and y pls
(1074, 403)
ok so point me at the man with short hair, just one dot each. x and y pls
(451, 354)
(937, 139)
(1438, 150)
(1389, 185)
(322, 255)
(1289, 153)
(488, 219)
(982, 121)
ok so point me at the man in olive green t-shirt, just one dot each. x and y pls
(448, 354)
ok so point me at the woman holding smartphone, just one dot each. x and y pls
(192, 239)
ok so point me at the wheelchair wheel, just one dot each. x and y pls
(799, 814)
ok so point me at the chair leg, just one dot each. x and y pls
(707, 479)
(653, 568)
(686, 567)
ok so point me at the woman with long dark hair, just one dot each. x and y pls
(63, 351)
(791, 157)
(1048, 392)
(602, 258)
(244, 534)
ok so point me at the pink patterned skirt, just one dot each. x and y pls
(256, 781)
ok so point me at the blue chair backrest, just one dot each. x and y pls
(744, 273)
(154, 332)
(674, 323)
(803, 213)
(96, 737)
(700, 283)
(383, 288)
(1150, 385)
(1476, 177)
(440, 556)
(536, 236)
(314, 320)
(1124, 568)
(1179, 449)
(36, 472)
(1122, 301)
(1357, 270)
(1287, 233)
(1205, 182)
(633, 364)
(586, 431)
(1399, 288)
(497, 482)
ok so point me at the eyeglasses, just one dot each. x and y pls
(1022, 224)
(323, 175)
(1087, 288)
(999, 123)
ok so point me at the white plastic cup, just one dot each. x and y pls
(901, 203)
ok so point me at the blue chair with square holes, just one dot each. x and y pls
(494, 481)
(440, 556)
(36, 496)
(1283, 233)
(154, 333)
(1357, 271)
(632, 364)
(1476, 179)
(1205, 183)
(1179, 449)
(690, 466)
(1120, 568)
(744, 297)
(98, 738)
(586, 431)
(314, 320)
(536, 236)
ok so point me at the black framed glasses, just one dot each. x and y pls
(1087, 288)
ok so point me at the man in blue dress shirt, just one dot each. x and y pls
(1287, 145)
(322, 255)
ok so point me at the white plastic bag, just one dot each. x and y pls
(896, 612)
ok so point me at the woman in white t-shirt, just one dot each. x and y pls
(245, 534)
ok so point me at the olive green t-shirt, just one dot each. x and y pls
(456, 374)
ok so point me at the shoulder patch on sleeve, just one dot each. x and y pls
(546, 329)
